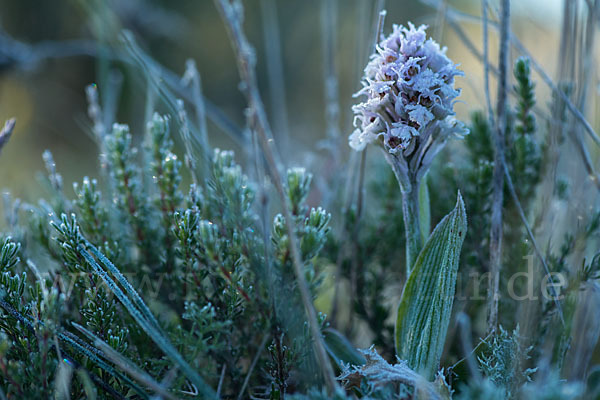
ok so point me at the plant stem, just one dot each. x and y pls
(412, 225)
(498, 173)
(410, 187)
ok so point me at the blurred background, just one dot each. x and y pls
(49, 54)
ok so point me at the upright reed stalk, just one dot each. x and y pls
(498, 174)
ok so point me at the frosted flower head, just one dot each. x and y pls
(410, 94)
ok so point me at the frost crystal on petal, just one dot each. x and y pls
(409, 86)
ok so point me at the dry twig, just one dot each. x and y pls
(231, 14)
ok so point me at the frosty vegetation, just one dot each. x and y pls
(182, 272)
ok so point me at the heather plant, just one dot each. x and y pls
(185, 271)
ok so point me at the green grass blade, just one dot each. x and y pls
(86, 351)
(81, 348)
(151, 330)
(125, 364)
(125, 284)
(426, 305)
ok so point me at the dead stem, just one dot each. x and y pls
(245, 58)
(498, 174)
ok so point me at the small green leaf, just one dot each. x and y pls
(426, 305)
(340, 348)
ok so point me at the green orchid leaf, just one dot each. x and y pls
(426, 305)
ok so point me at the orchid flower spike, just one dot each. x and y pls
(410, 96)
